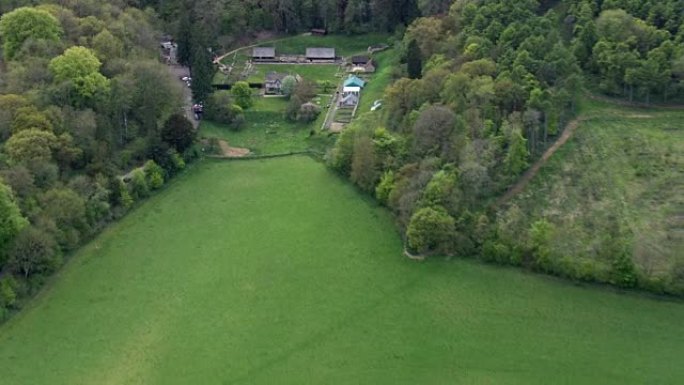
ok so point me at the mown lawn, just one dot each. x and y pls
(345, 45)
(375, 88)
(312, 72)
(266, 131)
(278, 272)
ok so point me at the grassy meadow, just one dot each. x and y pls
(623, 169)
(313, 72)
(266, 131)
(279, 272)
(345, 45)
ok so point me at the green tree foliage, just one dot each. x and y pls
(139, 187)
(68, 211)
(385, 187)
(154, 174)
(363, 165)
(242, 95)
(308, 112)
(24, 24)
(31, 144)
(517, 155)
(68, 133)
(430, 230)
(288, 85)
(414, 60)
(178, 132)
(33, 251)
(11, 220)
(201, 66)
(219, 108)
(79, 68)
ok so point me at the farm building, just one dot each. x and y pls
(263, 54)
(362, 63)
(360, 60)
(354, 81)
(274, 82)
(320, 54)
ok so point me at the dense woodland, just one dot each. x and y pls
(88, 121)
(86, 129)
(485, 90)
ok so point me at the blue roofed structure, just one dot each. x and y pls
(354, 81)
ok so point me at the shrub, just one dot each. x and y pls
(385, 187)
(308, 112)
(430, 229)
(33, 251)
(8, 296)
(154, 174)
(139, 186)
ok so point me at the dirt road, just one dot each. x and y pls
(179, 72)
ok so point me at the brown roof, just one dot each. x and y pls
(263, 52)
(361, 59)
(320, 53)
(273, 76)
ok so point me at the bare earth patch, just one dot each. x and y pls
(336, 127)
(232, 152)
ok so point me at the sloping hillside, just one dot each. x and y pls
(608, 205)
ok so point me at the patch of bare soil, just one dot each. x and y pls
(336, 127)
(233, 152)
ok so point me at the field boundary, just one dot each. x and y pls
(268, 156)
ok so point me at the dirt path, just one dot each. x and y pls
(568, 131)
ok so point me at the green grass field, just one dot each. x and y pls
(266, 131)
(375, 88)
(625, 166)
(345, 45)
(278, 272)
(312, 72)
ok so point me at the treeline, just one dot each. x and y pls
(633, 48)
(86, 128)
(482, 92)
(230, 20)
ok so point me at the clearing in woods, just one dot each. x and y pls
(277, 271)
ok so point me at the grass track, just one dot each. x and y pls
(276, 271)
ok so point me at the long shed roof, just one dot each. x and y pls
(320, 53)
(263, 52)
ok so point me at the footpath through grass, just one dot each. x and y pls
(278, 272)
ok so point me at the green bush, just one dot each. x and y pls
(430, 230)
(139, 187)
(154, 174)
(385, 187)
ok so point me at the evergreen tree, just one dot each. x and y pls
(414, 60)
(184, 35)
(201, 68)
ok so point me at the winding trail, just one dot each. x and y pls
(568, 132)
(517, 188)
